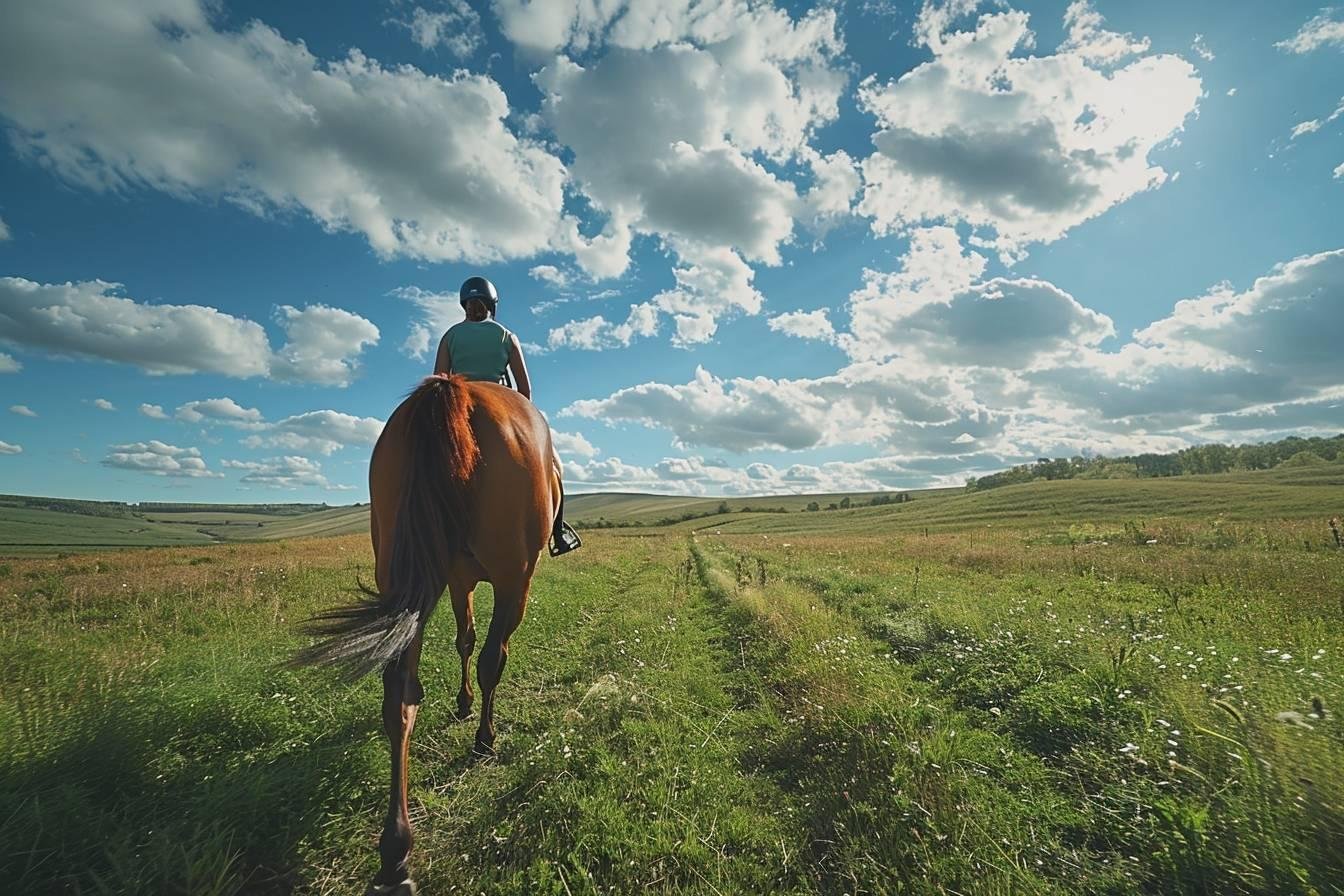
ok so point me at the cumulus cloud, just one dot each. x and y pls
(671, 129)
(324, 432)
(1339, 174)
(323, 345)
(113, 97)
(596, 333)
(22, 410)
(549, 273)
(9, 364)
(159, 459)
(573, 444)
(1015, 368)
(698, 475)
(153, 411)
(288, 472)
(861, 404)
(452, 24)
(1324, 29)
(804, 324)
(103, 404)
(213, 410)
(92, 320)
(435, 313)
(7, 448)
(1023, 147)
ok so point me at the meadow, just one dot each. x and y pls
(1063, 687)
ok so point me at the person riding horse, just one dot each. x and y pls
(481, 348)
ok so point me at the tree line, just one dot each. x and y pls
(1211, 458)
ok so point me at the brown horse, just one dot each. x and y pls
(464, 490)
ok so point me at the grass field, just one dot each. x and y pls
(1105, 692)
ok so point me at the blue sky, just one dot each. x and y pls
(749, 247)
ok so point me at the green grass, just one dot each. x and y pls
(29, 530)
(1122, 703)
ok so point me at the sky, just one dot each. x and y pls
(749, 248)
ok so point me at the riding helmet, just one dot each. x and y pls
(479, 288)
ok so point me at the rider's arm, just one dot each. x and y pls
(519, 368)
(442, 362)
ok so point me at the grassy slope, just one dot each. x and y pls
(1284, 493)
(1292, 494)
(26, 530)
(22, 527)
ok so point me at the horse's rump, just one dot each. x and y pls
(430, 439)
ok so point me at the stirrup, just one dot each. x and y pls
(564, 539)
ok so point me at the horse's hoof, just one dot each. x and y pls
(463, 710)
(481, 752)
(405, 888)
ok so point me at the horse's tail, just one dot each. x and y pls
(438, 458)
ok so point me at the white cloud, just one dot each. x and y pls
(7, 448)
(804, 324)
(1315, 124)
(1014, 369)
(153, 411)
(713, 282)
(697, 475)
(324, 345)
(4, 231)
(159, 459)
(1231, 91)
(91, 320)
(103, 404)
(708, 94)
(455, 26)
(289, 472)
(1324, 29)
(596, 333)
(9, 364)
(116, 97)
(78, 456)
(437, 311)
(549, 273)
(1339, 172)
(1201, 48)
(1024, 146)
(1091, 42)
(573, 444)
(1288, 322)
(213, 410)
(1306, 127)
(324, 431)
(22, 410)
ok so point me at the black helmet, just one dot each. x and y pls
(479, 288)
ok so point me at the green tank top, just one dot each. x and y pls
(479, 350)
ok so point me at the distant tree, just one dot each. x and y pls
(844, 503)
(723, 507)
(832, 506)
(813, 506)
(1304, 459)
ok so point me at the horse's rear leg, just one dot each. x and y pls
(402, 694)
(510, 602)
(461, 592)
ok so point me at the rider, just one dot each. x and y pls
(480, 348)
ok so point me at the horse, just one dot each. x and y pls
(464, 489)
